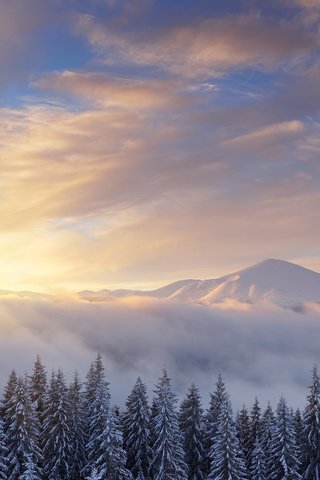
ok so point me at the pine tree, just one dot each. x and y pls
(217, 401)
(268, 425)
(7, 401)
(31, 471)
(21, 437)
(243, 432)
(168, 456)
(298, 429)
(136, 431)
(311, 433)
(38, 388)
(255, 423)
(227, 459)
(284, 450)
(3, 454)
(56, 432)
(97, 406)
(190, 419)
(111, 464)
(258, 462)
(153, 415)
(77, 429)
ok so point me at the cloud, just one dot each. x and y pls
(259, 350)
(114, 91)
(100, 195)
(201, 48)
(20, 32)
(268, 136)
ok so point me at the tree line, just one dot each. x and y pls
(53, 431)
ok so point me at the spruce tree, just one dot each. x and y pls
(56, 430)
(255, 423)
(97, 406)
(3, 454)
(111, 464)
(38, 388)
(268, 425)
(77, 429)
(190, 420)
(22, 434)
(7, 401)
(136, 431)
(168, 456)
(243, 432)
(284, 450)
(153, 414)
(258, 468)
(227, 458)
(31, 470)
(217, 401)
(298, 429)
(311, 432)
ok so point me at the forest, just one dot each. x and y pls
(50, 430)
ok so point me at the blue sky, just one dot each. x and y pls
(147, 141)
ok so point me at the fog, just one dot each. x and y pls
(259, 349)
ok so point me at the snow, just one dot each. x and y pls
(270, 281)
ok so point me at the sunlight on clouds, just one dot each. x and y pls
(202, 48)
(113, 91)
(98, 198)
(185, 149)
(269, 135)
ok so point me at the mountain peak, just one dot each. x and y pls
(269, 281)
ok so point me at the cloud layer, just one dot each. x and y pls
(260, 350)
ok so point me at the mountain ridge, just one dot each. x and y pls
(269, 281)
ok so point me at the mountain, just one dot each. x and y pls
(271, 281)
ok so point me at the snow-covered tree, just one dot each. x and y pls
(136, 431)
(268, 425)
(217, 402)
(21, 436)
(299, 434)
(190, 420)
(31, 470)
(3, 454)
(284, 450)
(7, 401)
(57, 438)
(255, 423)
(168, 456)
(243, 432)
(227, 458)
(311, 432)
(77, 429)
(97, 406)
(258, 468)
(111, 464)
(38, 388)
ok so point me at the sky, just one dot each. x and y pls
(148, 141)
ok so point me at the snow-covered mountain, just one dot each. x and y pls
(270, 281)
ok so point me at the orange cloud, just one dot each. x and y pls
(113, 91)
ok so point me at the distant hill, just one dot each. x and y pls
(270, 281)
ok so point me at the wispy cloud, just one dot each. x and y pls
(184, 148)
(202, 48)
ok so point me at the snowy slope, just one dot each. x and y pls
(271, 281)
